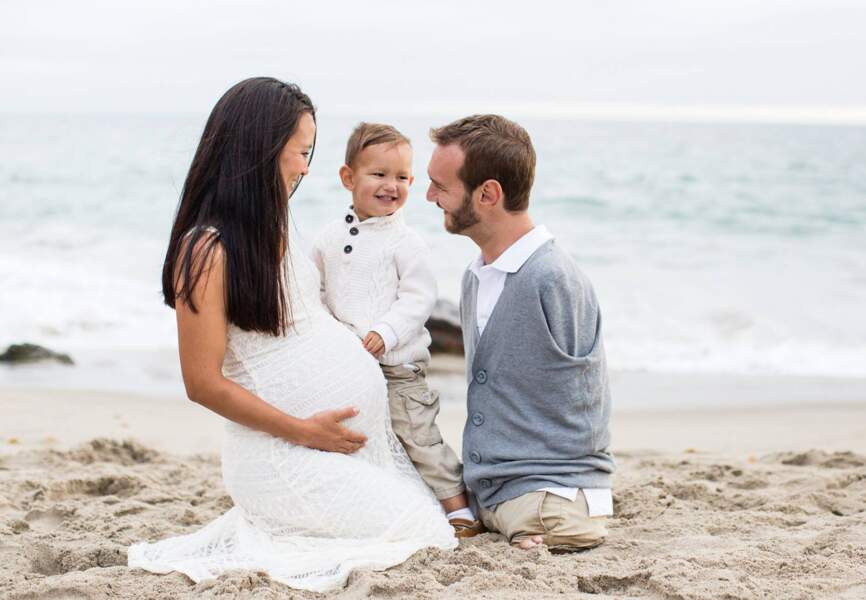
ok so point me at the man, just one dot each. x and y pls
(535, 443)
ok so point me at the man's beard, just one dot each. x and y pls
(463, 218)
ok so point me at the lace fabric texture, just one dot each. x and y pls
(307, 517)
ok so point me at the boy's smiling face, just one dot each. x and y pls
(379, 179)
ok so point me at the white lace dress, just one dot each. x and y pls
(307, 517)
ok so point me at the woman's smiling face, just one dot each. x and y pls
(295, 156)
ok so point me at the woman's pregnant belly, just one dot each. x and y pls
(321, 367)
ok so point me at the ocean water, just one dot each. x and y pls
(715, 248)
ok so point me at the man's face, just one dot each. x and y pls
(447, 190)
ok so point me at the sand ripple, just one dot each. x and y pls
(687, 526)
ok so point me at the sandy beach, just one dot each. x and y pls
(754, 499)
(699, 167)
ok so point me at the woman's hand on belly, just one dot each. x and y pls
(323, 431)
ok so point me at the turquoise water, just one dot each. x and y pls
(713, 248)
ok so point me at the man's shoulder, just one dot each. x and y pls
(550, 260)
(551, 267)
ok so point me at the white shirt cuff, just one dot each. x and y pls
(599, 501)
(386, 332)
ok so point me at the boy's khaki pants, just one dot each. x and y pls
(413, 418)
(563, 525)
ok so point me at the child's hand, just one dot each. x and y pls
(374, 344)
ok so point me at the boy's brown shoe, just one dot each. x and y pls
(464, 528)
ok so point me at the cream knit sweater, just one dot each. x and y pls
(376, 277)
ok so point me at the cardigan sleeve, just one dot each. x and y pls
(416, 292)
(571, 311)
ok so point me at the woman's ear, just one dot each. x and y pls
(347, 177)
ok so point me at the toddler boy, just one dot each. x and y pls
(376, 280)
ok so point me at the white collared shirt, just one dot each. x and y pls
(491, 278)
(491, 282)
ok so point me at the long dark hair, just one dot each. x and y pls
(234, 196)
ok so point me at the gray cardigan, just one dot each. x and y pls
(538, 399)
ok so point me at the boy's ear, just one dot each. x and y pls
(347, 177)
(411, 179)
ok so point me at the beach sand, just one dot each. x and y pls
(753, 498)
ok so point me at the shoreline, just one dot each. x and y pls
(158, 375)
(651, 412)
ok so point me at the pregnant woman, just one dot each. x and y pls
(320, 483)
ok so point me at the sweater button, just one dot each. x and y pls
(477, 419)
(475, 457)
(349, 218)
(485, 483)
(481, 376)
(353, 231)
(347, 249)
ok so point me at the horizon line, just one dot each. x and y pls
(630, 112)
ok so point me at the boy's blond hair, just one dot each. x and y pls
(370, 134)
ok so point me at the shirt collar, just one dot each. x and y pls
(516, 254)
(395, 217)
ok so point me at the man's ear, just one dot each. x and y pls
(347, 177)
(491, 193)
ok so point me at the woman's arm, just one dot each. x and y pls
(202, 339)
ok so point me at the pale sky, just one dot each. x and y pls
(175, 56)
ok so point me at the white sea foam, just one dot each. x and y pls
(713, 248)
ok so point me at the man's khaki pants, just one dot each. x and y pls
(413, 418)
(562, 524)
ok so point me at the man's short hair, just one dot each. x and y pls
(370, 134)
(495, 148)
